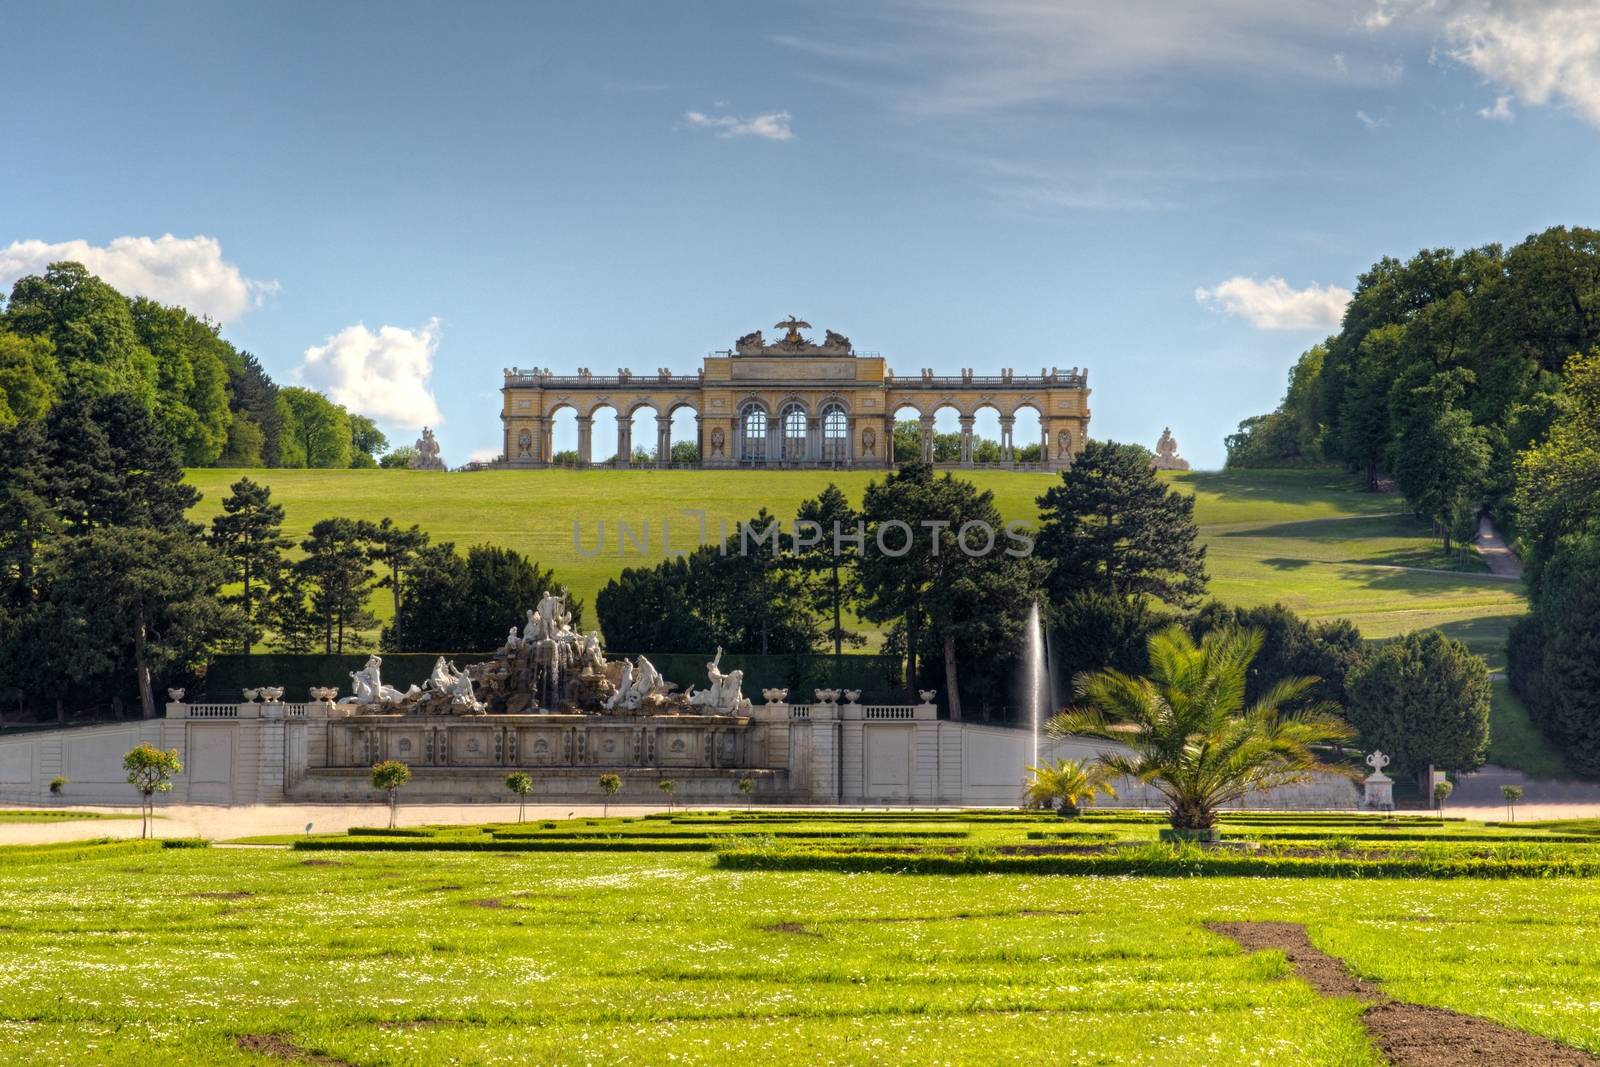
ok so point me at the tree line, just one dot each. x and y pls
(1446, 369)
(67, 336)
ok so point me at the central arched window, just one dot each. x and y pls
(794, 432)
(753, 434)
(835, 431)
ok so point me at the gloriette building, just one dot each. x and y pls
(793, 402)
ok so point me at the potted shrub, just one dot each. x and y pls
(610, 785)
(58, 785)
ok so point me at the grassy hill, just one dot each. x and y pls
(1310, 539)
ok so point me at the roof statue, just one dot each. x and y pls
(793, 342)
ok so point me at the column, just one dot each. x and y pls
(536, 449)
(926, 422)
(966, 440)
(774, 454)
(1044, 444)
(624, 440)
(848, 458)
(888, 440)
(585, 445)
(548, 436)
(813, 439)
(663, 440)
(699, 439)
(1006, 422)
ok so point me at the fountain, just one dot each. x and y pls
(1033, 673)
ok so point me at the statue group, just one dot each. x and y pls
(427, 457)
(549, 665)
(1167, 458)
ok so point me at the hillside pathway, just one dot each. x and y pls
(1495, 552)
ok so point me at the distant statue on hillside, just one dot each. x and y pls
(427, 457)
(1167, 458)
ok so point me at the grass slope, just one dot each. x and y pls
(391, 958)
(1307, 538)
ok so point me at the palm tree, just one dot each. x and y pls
(1186, 729)
(1067, 783)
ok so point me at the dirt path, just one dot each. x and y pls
(1409, 1035)
(1494, 551)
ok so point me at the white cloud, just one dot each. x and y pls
(1371, 123)
(1542, 50)
(771, 126)
(173, 270)
(384, 375)
(484, 455)
(1273, 305)
(1501, 112)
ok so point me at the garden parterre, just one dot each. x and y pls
(135, 954)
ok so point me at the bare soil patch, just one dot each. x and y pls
(1409, 1035)
(790, 928)
(230, 894)
(281, 1048)
(412, 1024)
(321, 863)
(489, 902)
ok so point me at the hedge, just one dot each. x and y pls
(713, 835)
(1168, 865)
(444, 844)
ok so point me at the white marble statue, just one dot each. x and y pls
(447, 679)
(366, 686)
(624, 689)
(725, 691)
(639, 679)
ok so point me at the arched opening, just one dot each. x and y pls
(602, 437)
(986, 437)
(794, 435)
(561, 437)
(752, 428)
(643, 436)
(947, 435)
(1027, 436)
(685, 436)
(907, 434)
(835, 434)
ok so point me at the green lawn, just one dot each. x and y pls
(1515, 742)
(134, 955)
(1307, 538)
(45, 815)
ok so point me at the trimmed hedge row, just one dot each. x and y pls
(446, 844)
(1170, 865)
(723, 836)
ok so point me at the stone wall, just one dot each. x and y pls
(796, 753)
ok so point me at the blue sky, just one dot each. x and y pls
(396, 201)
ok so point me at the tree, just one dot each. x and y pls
(315, 432)
(395, 549)
(191, 379)
(747, 786)
(1290, 647)
(1512, 794)
(90, 326)
(1114, 528)
(1424, 700)
(456, 604)
(150, 771)
(1090, 631)
(610, 785)
(30, 378)
(253, 399)
(288, 613)
(367, 442)
(108, 463)
(1188, 730)
(388, 776)
(138, 600)
(828, 561)
(1439, 458)
(1441, 792)
(249, 537)
(338, 580)
(1066, 784)
(669, 787)
(399, 458)
(685, 454)
(520, 783)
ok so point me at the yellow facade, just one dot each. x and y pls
(792, 403)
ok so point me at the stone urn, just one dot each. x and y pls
(175, 695)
